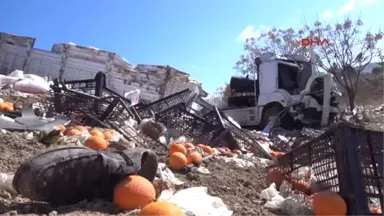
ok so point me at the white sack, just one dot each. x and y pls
(31, 86)
(16, 73)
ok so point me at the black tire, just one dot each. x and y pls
(268, 114)
(285, 121)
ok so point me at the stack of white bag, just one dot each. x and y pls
(26, 83)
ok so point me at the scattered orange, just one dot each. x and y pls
(376, 211)
(237, 151)
(194, 158)
(61, 128)
(276, 154)
(189, 145)
(96, 132)
(9, 103)
(162, 208)
(72, 132)
(225, 150)
(301, 185)
(177, 160)
(96, 143)
(6, 107)
(81, 128)
(328, 203)
(177, 147)
(207, 149)
(108, 135)
(277, 177)
(200, 146)
(134, 192)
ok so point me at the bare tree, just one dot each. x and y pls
(220, 97)
(350, 50)
(282, 41)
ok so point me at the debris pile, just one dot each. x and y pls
(88, 149)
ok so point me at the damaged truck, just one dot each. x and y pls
(285, 87)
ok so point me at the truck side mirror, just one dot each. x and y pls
(257, 61)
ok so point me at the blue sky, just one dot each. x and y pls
(200, 37)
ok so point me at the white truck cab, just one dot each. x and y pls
(286, 86)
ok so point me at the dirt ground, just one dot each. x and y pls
(239, 188)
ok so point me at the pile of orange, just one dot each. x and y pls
(136, 192)
(323, 202)
(98, 139)
(181, 154)
(7, 106)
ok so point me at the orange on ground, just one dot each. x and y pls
(200, 146)
(194, 158)
(237, 151)
(301, 185)
(277, 177)
(61, 128)
(376, 211)
(177, 160)
(207, 149)
(81, 128)
(3, 107)
(96, 132)
(134, 192)
(328, 203)
(276, 154)
(177, 147)
(8, 108)
(96, 143)
(108, 135)
(9, 103)
(189, 145)
(72, 132)
(224, 150)
(162, 208)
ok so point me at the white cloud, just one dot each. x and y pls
(194, 66)
(250, 32)
(366, 2)
(327, 14)
(346, 8)
(349, 7)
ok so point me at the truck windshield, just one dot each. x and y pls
(288, 77)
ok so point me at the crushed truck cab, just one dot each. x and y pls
(288, 87)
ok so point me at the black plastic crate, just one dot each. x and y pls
(295, 138)
(77, 106)
(319, 154)
(84, 108)
(184, 123)
(96, 87)
(232, 137)
(92, 111)
(235, 137)
(148, 110)
(345, 159)
(361, 151)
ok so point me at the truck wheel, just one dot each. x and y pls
(285, 122)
